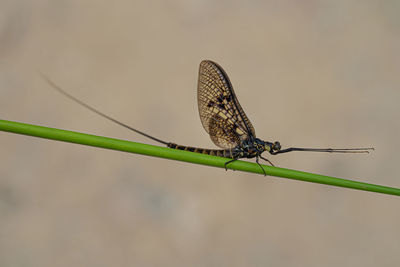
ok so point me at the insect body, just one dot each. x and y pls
(247, 149)
(224, 120)
(227, 124)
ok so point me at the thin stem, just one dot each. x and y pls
(186, 156)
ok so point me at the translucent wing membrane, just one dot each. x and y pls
(222, 132)
(220, 112)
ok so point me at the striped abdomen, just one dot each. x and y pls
(226, 153)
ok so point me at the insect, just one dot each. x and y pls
(224, 120)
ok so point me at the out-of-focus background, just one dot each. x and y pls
(308, 73)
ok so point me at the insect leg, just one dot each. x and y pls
(230, 161)
(265, 174)
(267, 161)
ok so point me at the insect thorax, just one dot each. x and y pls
(250, 148)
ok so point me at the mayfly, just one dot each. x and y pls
(223, 119)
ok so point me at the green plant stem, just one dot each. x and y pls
(186, 156)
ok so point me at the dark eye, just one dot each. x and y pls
(277, 146)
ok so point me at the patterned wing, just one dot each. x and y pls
(222, 132)
(220, 112)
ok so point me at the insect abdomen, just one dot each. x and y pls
(214, 152)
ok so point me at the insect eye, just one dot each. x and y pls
(277, 146)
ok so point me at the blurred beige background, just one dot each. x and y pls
(308, 73)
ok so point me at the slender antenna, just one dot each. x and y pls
(52, 84)
(330, 150)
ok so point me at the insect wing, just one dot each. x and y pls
(220, 112)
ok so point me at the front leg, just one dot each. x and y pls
(267, 160)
